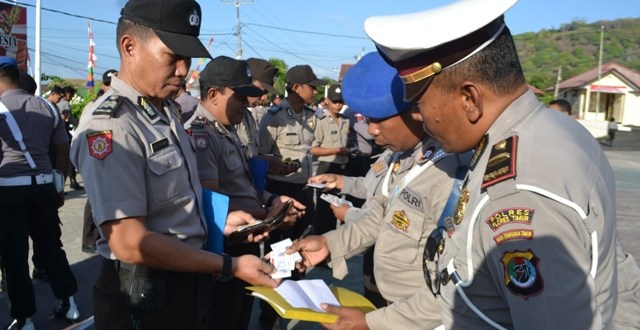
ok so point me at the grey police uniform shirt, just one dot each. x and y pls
(399, 231)
(285, 134)
(366, 187)
(36, 123)
(220, 157)
(138, 162)
(531, 254)
(331, 133)
(247, 132)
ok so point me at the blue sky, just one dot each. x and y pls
(323, 34)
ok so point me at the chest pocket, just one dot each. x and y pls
(402, 240)
(232, 160)
(166, 181)
(291, 138)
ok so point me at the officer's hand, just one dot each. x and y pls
(236, 219)
(348, 318)
(60, 199)
(254, 270)
(340, 211)
(313, 249)
(333, 181)
(296, 212)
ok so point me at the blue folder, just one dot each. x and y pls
(216, 207)
(258, 168)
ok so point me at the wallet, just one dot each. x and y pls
(266, 225)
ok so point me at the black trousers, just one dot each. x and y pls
(32, 211)
(176, 300)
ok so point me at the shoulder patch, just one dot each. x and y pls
(201, 140)
(379, 167)
(515, 215)
(502, 162)
(275, 109)
(198, 122)
(521, 274)
(109, 106)
(148, 109)
(513, 234)
(100, 144)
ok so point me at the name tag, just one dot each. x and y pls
(291, 133)
(159, 145)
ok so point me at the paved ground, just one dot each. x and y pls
(624, 156)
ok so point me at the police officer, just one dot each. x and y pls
(416, 184)
(223, 166)
(141, 178)
(330, 146)
(262, 74)
(29, 200)
(534, 241)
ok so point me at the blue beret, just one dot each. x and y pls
(373, 88)
(6, 61)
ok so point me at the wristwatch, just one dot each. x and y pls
(225, 272)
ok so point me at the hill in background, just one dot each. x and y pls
(575, 47)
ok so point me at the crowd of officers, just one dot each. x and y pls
(462, 223)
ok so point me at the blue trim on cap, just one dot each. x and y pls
(6, 61)
(373, 88)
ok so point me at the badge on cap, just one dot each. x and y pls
(194, 19)
(521, 274)
(100, 145)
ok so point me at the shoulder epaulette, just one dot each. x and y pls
(198, 122)
(502, 162)
(219, 127)
(109, 106)
(320, 115)
(275, 109)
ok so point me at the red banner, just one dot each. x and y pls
(13, 33)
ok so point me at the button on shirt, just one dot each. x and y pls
(149, 170)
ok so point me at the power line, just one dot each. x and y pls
(60, 12)
(308, 32)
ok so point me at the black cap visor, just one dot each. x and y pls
(317, 83)
(249, 90)
(415, 90)
(183, 45)
(269, 88)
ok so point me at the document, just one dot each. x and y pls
(300, 300)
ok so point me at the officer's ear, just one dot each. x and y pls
(471, 99)
(127, 46)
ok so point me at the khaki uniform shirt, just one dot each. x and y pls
(285, 134)
(399, 228)
(138, 162)
(366, 187)
(330, 133)
(531, 251)
(36, 123)
(220, 157)
(247, 132)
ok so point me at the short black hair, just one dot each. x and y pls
(204, 90)
(564, 105)
(9, 74)
(140, 32)
(69, 89)
(27, 83)
(497, 66)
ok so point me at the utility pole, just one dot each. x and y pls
(599, 72)
(555, 93)
(238, 25)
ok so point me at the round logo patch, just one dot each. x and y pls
(521, 274)
(201, 140)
